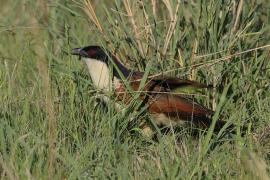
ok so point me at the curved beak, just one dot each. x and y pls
(79, 52)
(76, 51)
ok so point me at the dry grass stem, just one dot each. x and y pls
(169, 8)
(148, 31)
(213, 61)
(193, 54)
(172, 93)
(172, 24)
(134, 26)
(239, 10)
(154, 8)
(180, 59)
(89, 10)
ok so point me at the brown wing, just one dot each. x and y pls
(156, 93)
(183, 107)
(159, 100)
(169, 82)
(175, 107)
(179, 109)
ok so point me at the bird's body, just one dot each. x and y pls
(165, 107)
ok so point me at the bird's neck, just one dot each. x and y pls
(119, 69)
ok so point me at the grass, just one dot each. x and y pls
(51, 127)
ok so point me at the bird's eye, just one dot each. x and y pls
(91, 52)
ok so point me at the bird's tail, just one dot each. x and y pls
(220, 125)
(205, 123)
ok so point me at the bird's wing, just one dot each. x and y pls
(158, 100)
(169, 104)
(177, 108)
(174, 82)
(170, 83)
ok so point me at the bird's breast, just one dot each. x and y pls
(99, 73)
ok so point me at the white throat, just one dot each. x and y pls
(99, 73)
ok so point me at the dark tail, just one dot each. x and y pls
(205, 123)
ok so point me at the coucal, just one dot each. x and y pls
(108, 73)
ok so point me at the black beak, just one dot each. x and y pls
(76, 51)
(79, 52)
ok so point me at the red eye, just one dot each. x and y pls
(91, 52)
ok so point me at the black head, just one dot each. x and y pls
(93, 52)
(98, 53)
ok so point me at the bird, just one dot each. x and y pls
(108, 73)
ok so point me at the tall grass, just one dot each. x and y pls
(52, 128)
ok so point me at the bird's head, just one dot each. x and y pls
(91, 52)
(97, 58)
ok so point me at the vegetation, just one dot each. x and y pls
(52, 128)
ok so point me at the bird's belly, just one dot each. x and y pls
(162, 119)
